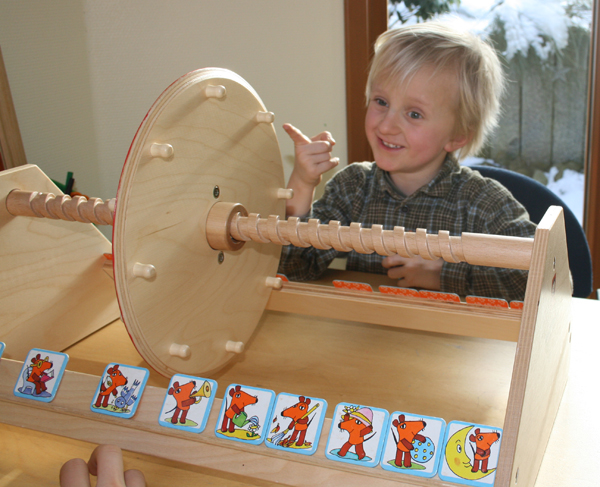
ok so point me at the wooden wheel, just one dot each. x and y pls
(187, 307)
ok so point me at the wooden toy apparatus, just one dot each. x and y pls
(195, 266)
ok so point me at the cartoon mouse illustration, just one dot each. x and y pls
(183, 396)
(483, 442)
(299, 415)
(114, 378)
(239, 400)
(408, 431)
(37, 373)
(358, 423)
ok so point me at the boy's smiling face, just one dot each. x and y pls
(412, 126)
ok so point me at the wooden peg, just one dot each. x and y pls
(177, 350)
(234, 347)
(285, 194)
(274, 282)
(273, 231)
(314, 234)
(400, 243)
(165, 151)
(378, 240)
(254, 230)
(356, 231)
(265, 117)
(293, 227)
(335, 236)
(146, 271)
(215, 91)
(423, 244)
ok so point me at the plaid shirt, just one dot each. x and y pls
(458, 199)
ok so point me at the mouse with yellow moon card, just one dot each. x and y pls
(470, 454)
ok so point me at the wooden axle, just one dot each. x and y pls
(63, 207)
(228, 226)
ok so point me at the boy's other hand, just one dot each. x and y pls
(414, 272)
(105, 463)
(313, 156)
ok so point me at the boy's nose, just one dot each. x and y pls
(389, 124)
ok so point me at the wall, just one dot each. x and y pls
(84, 73)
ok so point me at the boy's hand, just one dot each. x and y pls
(313, 159)
(106, 463)
(313, 156)
(415, 271)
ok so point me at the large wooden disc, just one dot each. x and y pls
(196, 299)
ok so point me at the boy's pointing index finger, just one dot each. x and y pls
(298, 137)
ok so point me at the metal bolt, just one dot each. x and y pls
(221, 257)
(216, 191)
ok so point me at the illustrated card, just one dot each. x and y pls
(1, 348)
(470, 455)
(296, 423)
(357, 434)
(41, 374)
(244, 414)
(413, 444)
(187, 403)
(120, 390)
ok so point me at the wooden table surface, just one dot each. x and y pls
(455, 378)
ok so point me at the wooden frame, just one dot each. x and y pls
(12, 152)
(592, 190)
(364, 21)
(539, 377)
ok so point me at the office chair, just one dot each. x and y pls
(536, 198)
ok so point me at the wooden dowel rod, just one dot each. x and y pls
(473, 248)
(48, 205)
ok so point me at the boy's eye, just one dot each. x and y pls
(414, 115)
(381, 102)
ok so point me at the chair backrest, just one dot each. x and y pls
(536, 198)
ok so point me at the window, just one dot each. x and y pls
(575, 152)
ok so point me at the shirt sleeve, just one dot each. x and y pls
(304, 264)
(495, 212)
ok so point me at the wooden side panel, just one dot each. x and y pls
(542, 359)
(53, 291)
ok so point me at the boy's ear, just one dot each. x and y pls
(459, 140)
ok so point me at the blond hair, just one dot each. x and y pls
(400, 53)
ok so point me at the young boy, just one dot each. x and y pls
(432, 98)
